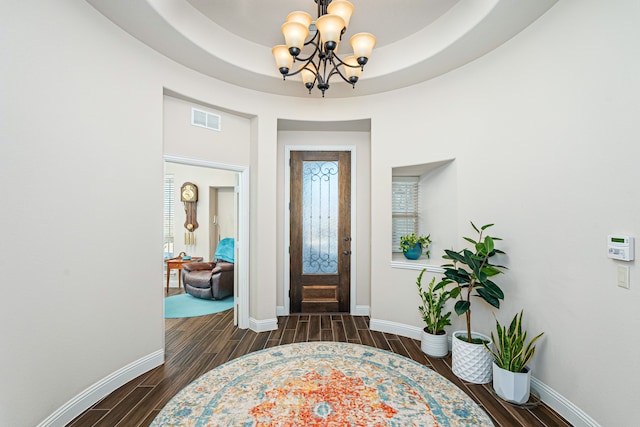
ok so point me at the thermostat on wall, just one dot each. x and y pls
(620, 247)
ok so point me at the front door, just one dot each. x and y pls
(320, 246)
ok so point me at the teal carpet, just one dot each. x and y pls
(185, 305)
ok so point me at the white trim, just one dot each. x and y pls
(361, 310)
(576, 416)
(287, 199)
(408, 265)
(84, 400)
(242, 239)
(263, 325)
(414, 332)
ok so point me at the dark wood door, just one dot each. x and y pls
(320, 246)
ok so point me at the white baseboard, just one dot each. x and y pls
(414, 332)
(83, 401)
(576, 416)
(280, 311)
(263, 325)
(361, 310)
(555, 400)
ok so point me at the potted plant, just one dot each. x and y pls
(511, 354)
(412, 246)
(434, 337)
(470, 273)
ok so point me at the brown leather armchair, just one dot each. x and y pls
(208, 280)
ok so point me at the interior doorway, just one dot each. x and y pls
(212, 175)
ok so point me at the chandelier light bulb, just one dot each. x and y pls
(343, 9)
(362, 44)
(330, 27)
(302, 17)
(308, 74)
(353, 72)
(284, 60)
(295, 34)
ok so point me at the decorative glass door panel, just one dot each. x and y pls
(320, 217)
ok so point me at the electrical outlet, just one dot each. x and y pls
(623, 276)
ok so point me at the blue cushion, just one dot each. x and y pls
(225, 251)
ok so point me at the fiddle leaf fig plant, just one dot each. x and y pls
(470, 274)
(512, 352)
(432, 309)
(410, 240)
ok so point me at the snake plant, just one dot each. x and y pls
(512, 352)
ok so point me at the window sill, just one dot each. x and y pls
(398, 260)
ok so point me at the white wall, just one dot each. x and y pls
(536, 127)
(539, 129)
(229, 146)
(82, 257)
(81, 131)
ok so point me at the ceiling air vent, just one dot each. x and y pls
(205, 120)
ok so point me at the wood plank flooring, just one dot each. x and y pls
(199, 344)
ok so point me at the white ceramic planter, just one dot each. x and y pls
(471, 362)
(512, 386)
(434, 345)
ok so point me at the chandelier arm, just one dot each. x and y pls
(336, 70)
(312, 54)
(345, 64)
(308, 61)
(312, 40)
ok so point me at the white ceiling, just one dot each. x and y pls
(231, 40)
(259, 21)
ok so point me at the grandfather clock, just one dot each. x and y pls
(189, 196)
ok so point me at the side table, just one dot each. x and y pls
(176, 263)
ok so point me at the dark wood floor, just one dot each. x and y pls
(199, 344)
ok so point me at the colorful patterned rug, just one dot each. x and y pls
(321, 384)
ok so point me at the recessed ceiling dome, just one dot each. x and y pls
(232, 40)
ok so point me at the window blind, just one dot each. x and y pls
(404, 207)
(169, 215)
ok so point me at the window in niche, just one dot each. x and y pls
(405, 208)
(424, 201)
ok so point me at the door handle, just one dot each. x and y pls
(347, 238)
(347, 252)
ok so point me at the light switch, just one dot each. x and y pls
(623, 276)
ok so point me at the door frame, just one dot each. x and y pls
(287, 220)
(241, 299)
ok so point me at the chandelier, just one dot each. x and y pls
(318, 55)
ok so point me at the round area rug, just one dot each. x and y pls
(185, 305)
(321, 384)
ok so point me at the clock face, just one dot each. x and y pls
(189, 193)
